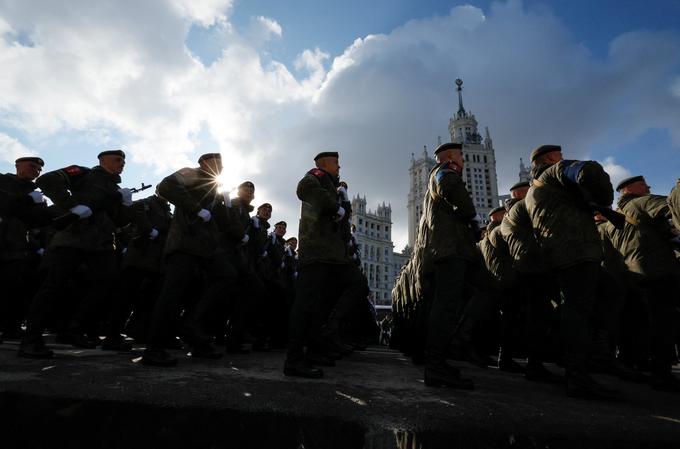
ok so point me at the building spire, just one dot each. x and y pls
(461, 109)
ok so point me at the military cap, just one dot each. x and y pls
(111, 153)
(448, 146)
(496, 209)
(290, 239)
(326, 154)
(519, 185)
(34, 159)
(629, 181)
(206, 156)
(282, 223)
(544, 149)
(263, 205)
(246, 184)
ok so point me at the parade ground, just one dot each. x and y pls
(371, 399)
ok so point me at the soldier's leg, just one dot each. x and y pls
(180, 272)
(63, 263)
(312, 281)
(662, 296)
(103, 294)
(353, 288)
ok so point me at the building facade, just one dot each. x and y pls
(374, 238)
(480, 168)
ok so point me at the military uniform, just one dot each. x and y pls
(559, 204)
(88, 241)
(644, 244)
(674, 204)
(19, 249)
(324, 265)
(193, 252)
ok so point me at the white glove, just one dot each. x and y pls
(339, 214)
(40, 251)
(124, 251)
(256, 222)
(245, 239)
(81, 211)
(343, 193)
(153, 234)
(295, 275)
(126, 196)
(264, 254)
(204, 215)
(37, 197)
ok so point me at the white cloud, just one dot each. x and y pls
(617, 173)
(11, 149)
(204, 12)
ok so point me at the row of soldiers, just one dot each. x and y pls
(97, 263)
(555, 260)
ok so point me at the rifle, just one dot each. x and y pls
(139, 189)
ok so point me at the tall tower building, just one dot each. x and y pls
(420, 174)
(480, 157)
(524, 173)
(480, 168)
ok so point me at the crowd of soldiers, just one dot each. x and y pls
(96, 268)
(557, 275)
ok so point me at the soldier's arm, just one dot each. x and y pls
(310, 190)
(450, 186)
(55, 185)
(657, 207)
(175, 188)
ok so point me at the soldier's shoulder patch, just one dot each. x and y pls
(74, 170)
(446, 168)
(453, 166)
(317, 172)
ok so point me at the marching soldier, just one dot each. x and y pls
(94, 196)
(560, 204)
(191, 254)
(674, 204)
(645, 244)
(323, 259)
(21, 208)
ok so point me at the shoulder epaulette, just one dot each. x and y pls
(317, 172)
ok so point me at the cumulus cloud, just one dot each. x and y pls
(617, 173)
(87, 65)
(11, 149)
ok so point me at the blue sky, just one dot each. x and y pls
(270, 83)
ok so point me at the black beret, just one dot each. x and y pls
(448, 146)
(496, 209)
(111, 153)
(33, 159)
(629, 181)
(544, 149)
(282, 223)
(206, 156)
(326, 154)
(292, 238)
(263, 205)
(246, 184)
(519, 185)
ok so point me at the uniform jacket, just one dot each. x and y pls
(95, 188)
(674, 204)
(497, 257)
(518, 233)
(645, 245)
(18, 214)
(143, 252)
(190, 190)
(320, 235)
(558, 204)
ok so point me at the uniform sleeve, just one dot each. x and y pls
(590, 178)
(674, 205)
(175, 188)
(54, 185)
(657, 207)
(449, 186)
(311, 191)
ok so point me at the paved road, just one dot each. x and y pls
(373, 399)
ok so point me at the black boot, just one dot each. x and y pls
(444, 375)
(158, 357)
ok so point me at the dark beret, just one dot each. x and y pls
(206, 156)
(282, 223)
(326, 154)
(519, 185)
(33, 159)
(496, 209)
(292, 238)
(246, 184)
(111, 153)
(544, 149)
(629, 181)
(263, 205)
(448, 146)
